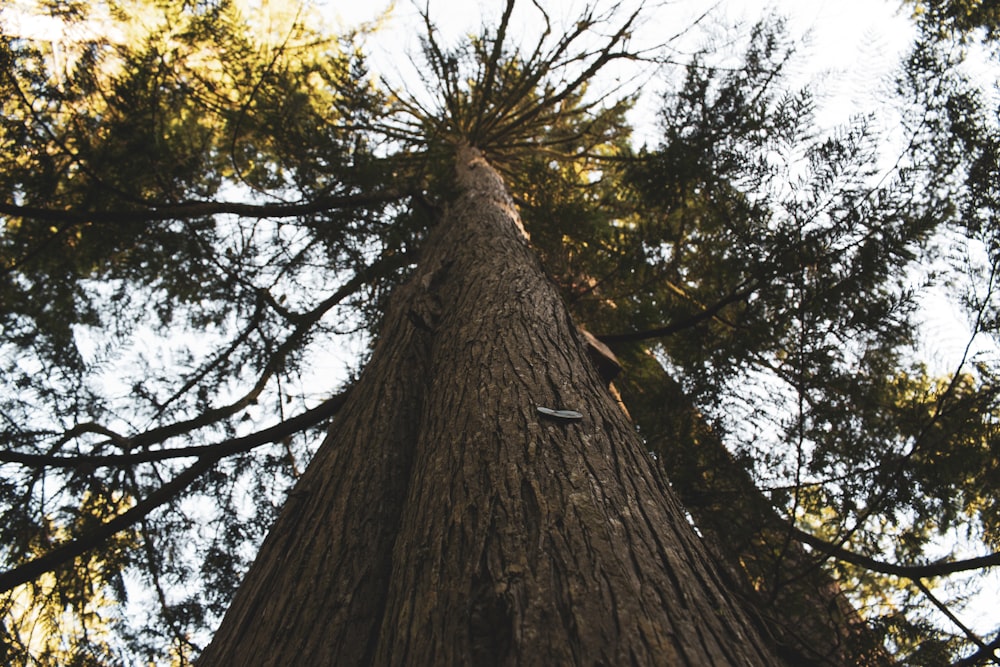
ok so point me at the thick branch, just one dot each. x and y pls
(304, 322)
(218, 450)
(199, 209)
(909, 571)
(74, 548)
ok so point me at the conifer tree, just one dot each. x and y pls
(579, 347)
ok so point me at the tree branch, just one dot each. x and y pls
(209, 456)
(67, 219)
(218, 450)
(943, 608)
(913, 572)
(74, 548)
(199, 209)
(988, 653)
(674, 327)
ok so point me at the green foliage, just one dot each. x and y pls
(137, 305)
(959, 17)
(51, 624)
(777, 258)
(198, 204)
(780, 275)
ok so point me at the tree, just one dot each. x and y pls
(831, 329)
(958, 17)
(447, 516)
(472, 528)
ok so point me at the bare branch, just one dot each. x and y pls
(304, 322)
(197, 209)
(487, 83)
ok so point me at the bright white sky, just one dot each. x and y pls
(852, 44)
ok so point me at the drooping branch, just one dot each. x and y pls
(66, 220)
(208, 456)
(67, 551)
(304, 322)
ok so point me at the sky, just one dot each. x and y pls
(846, 51)
(851, 45)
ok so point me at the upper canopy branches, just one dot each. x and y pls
(495, 93)
(139, 104)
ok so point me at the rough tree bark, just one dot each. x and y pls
(446, 521)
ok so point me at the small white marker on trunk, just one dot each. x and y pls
(568, 415)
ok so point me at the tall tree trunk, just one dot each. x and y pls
(447, 521)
